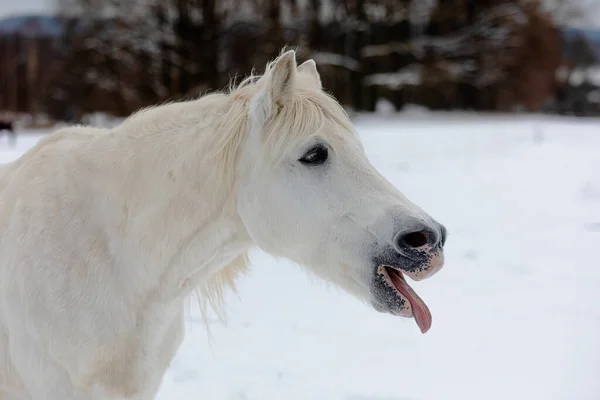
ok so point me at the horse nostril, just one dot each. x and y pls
(416, 240)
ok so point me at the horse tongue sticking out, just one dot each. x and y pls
(420, 310)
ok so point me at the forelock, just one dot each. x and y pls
(310, 113)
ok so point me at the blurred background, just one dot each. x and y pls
(62, 59)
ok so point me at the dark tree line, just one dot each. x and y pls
(477, 54)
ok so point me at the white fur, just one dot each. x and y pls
(105, 233)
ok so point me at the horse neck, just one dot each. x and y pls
(181, 224)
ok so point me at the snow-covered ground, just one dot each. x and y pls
(516, 309)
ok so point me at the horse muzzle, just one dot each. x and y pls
(416, 253)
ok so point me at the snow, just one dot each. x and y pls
(409, 75)
(516, 309)
(324, 58)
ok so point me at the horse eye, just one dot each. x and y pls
(315, 156)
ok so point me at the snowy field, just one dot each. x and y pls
(516, 309)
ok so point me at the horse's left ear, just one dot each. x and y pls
(279, 83)
(283, 77)
(310, 67)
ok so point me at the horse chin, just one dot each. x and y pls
(393, 295)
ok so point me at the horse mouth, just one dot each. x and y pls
(416, 307)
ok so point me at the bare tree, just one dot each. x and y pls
(453, 53)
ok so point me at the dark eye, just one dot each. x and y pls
(315, 156)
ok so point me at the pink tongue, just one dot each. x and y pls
(419, 308)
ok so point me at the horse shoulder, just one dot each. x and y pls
(48, 244)
(62, 275)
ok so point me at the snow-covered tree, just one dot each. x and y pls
(467, 53)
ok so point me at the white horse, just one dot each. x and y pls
(106, 233)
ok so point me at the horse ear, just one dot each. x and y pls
(283, 77)
(279, 86)
(310, 67)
